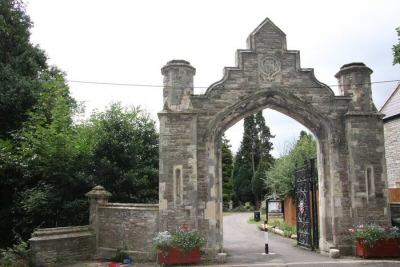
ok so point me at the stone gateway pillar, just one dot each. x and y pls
(178, 149)
(348, 128)
(366, 164)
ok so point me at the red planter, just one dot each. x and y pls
(383, 248)
(176, 257)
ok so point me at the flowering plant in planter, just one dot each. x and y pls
(184, 240)
(370, 234)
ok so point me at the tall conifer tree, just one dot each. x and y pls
(227, 170)
(255, 148)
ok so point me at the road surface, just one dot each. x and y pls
(245, 245)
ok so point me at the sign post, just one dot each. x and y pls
(266, 236)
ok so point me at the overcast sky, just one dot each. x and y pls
(129, 41)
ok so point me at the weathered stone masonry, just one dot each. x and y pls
(53, 245)
(113, 228)
(349, 129)
(392, 141)
(121, 227)
(391, 123)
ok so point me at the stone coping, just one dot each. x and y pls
(61, 232)
(130, 206)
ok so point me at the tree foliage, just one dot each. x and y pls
(21, 65)
(258, 180)
(254, 149)
(121, 153)
(38, 170)
(227, 169)
(396, 49)
(36, 138)
(54, 162)
(280, 177)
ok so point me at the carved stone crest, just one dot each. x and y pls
(269, 66)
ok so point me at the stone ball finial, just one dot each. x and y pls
(98, 192)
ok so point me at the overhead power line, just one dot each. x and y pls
(118, 84)
(197, 87)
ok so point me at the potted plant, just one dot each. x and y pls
(373, 240)
(181, 247)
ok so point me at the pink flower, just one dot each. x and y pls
(385, 227)
(351, 230)
(361, 226)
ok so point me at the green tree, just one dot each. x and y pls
(263, 139)
(41, 157)
(280, 177)
(121, 147)
(255, 148)
(227, 169)
(36, 140)
(266, 159)
(242, 184)
(396, 49)
(245, 160)
(258, 182)
(21, 64)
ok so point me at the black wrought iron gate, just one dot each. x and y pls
(306, 205)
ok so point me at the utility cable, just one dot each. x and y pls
(203, 87)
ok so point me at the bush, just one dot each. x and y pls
(17, 256)
(396, 222)
(284, 226)
(252, 221)
(263, 210)
(369, 234)
(240, 208)
(184, 240)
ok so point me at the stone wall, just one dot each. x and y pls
(53, 245)
(392, 147)
(127, 228)
(115, 228)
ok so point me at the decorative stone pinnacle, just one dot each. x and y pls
(178, 63)
(98, 192)
(352, 67)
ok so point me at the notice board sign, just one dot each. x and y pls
(274, 206)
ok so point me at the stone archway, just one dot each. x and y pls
(349, 129)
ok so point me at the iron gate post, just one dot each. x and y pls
(314, 203)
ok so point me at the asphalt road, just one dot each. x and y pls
(245, 245)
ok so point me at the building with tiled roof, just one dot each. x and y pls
(391, 123)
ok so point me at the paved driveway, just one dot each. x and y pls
(245, 245)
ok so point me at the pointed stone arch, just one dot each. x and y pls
(348, 128)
